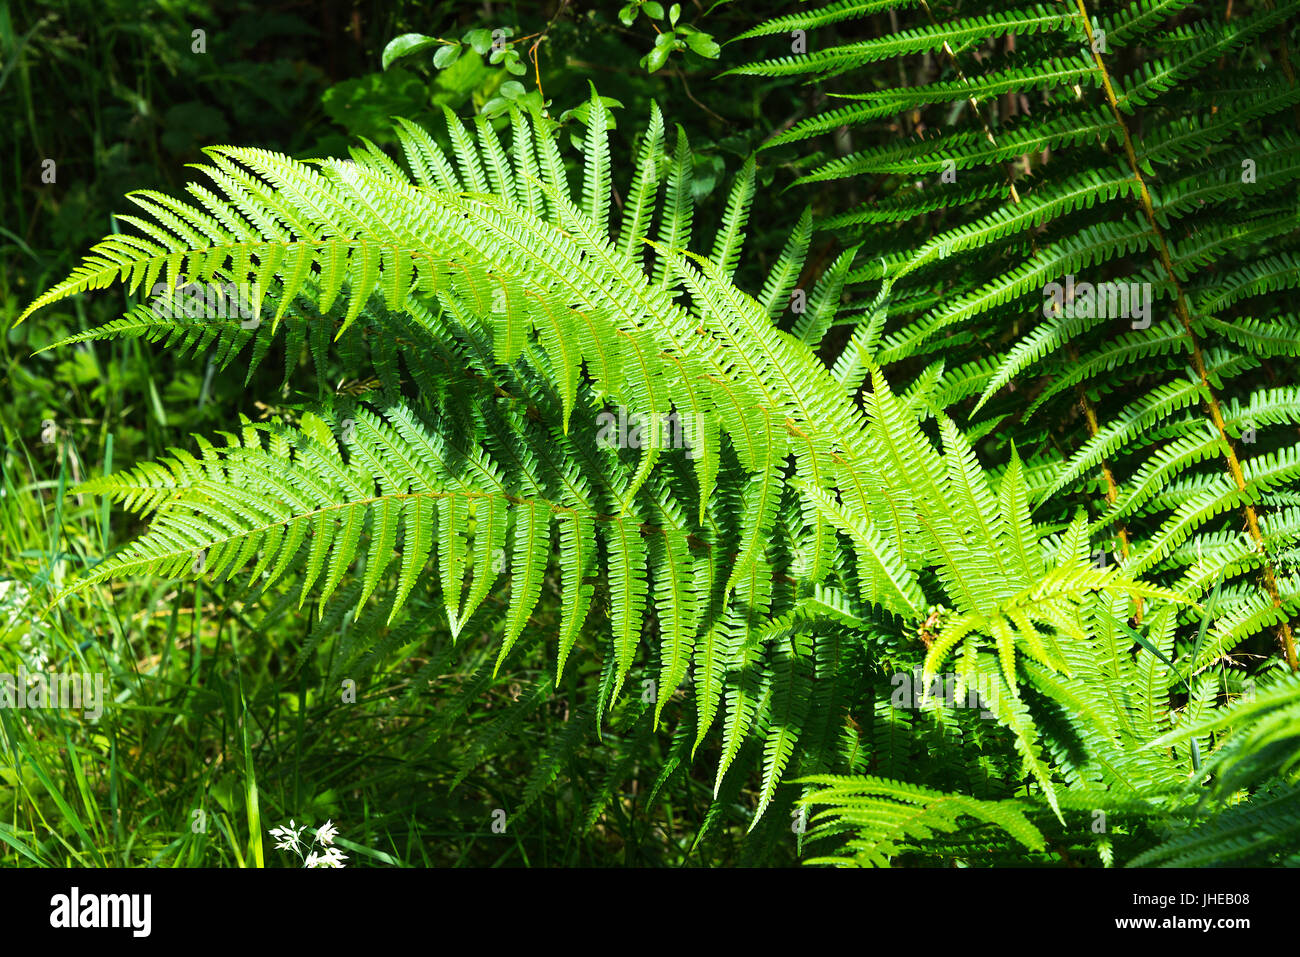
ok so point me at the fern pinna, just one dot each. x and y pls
(786, 547)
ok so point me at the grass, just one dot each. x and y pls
(225, 721)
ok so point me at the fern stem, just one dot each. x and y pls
(1184, 315)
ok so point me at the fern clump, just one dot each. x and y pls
(561, 400)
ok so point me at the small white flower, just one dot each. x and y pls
(332, 857)
(287, 837)
(326, 833)
(290, 838)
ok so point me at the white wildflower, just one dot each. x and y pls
(290, 838)
(332, 857)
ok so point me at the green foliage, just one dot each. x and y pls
(1050, 149)
(579, 437)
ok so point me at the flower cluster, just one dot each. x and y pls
(15, 598)
(291, 839)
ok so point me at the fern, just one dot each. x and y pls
(1144, 170)
(583, 433)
